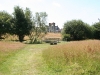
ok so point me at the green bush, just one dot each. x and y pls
(66, 37)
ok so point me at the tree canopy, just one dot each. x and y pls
(5, 22)
(22, 24)
(77, 29)
(96, 30)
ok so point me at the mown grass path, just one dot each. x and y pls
(25, 62)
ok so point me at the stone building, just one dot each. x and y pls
(53, 28)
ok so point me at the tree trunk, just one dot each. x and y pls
(21, 38)
(0, 36)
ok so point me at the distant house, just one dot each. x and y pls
(53, 28)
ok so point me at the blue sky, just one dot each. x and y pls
(59, 11)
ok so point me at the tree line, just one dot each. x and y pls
(22, 23)
(79, 30)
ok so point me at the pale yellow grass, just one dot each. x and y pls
(74, 58)
(76, 48)
(6, 46)
(53, 35)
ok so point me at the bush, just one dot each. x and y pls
(66, 37)
(77, 29)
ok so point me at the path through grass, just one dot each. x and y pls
(72, 58)
(25, 62)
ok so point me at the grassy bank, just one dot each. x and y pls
(74, 58)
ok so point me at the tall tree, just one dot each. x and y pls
(39, 26)
(22, 26)
(5, 23)
(77, 29)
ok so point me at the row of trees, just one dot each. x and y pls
(22, 23)
(78, 30)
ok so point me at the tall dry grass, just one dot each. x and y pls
(7, 48)
(74, 58)
(53, 35)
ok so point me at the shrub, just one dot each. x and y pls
(66, 37)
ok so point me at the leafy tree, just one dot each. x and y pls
(28, 16)
(96, 30)
(77, 29)
(5, 23)
(38, 27)
(22, 25)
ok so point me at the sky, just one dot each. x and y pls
(59, 11)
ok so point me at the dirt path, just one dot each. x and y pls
(24, 62)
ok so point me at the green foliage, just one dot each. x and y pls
(66, 37)
(5, 23)
(96, 30)
(22, 24)
(29, 17)
(77, 29)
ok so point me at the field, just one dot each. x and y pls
(66, 58)
(74, 58)
(48, 35)
(8, 48)
(53, 35)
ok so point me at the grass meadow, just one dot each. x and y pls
(74, 58)
(65, 58)
(8, 48)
